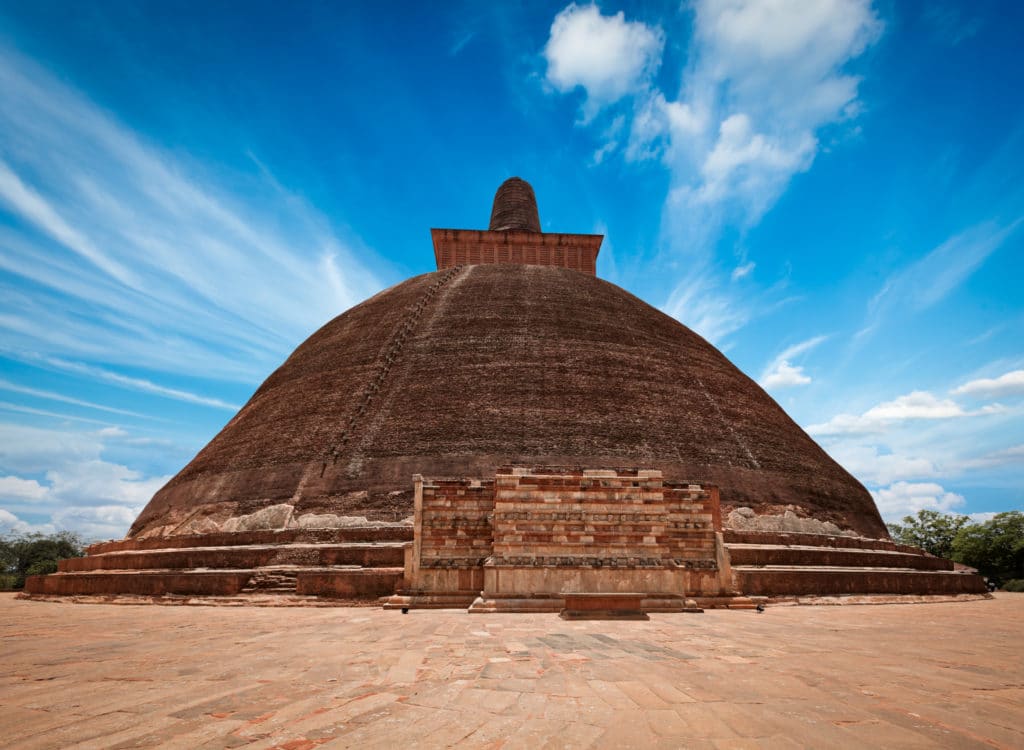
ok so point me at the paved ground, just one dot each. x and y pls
(905, 676)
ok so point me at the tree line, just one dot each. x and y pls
(995, 547)
(23, 555)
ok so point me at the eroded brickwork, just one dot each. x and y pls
(537, 531)
(464, 247)
(600, 519)
(454, 524)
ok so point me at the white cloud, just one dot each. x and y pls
(11, 523)
(870, 464)
(1009, 384)
(100, 522)
(781, 373)
(750, 165)
(763, 78)
(15, 488)
(785, 375)
(914, 405)
(907, 498)
(80, 490)
(605, 55)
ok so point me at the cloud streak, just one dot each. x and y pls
(149, 261)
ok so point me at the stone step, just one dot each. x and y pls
(357, 583)
(141, 583)
(800, 555)
(365, 554)
(780, 580)
(384, 532)
(428, 600)
(338, 582)
(787, 538)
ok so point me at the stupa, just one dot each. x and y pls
(511, 359)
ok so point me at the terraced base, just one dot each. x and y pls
(779, 565)
(345, 564)
(819, 581)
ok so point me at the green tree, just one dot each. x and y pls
(995, 548)
(930, 530)
(22, 555)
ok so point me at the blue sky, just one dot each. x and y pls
(829, 191)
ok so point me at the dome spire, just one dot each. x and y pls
(515, 207)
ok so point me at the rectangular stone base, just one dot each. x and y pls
(431, 600)
(601, 606)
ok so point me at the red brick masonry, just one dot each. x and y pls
(466, 247)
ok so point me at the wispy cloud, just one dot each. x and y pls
(20, 409)
(117, 252)
(137, 384)
(51, 396)
(742, 271)
(706, 306)
(928, 280)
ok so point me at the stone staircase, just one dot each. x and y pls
(781, 564)
(350, 563)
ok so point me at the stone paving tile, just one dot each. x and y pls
(108, 676)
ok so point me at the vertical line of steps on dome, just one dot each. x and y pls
(285, 566)
(790, 564)
(391, 351)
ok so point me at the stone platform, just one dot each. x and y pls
(361, 562)
(774, 564)
(906, 676)
(518, 542)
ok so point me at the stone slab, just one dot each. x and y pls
(925, 675)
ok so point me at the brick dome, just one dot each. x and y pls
(458, 372)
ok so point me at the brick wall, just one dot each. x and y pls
(454, 525)
(558, 521)
(602, 519)
(461, 247)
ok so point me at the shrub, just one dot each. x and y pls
(1017, 584)
(41, 568)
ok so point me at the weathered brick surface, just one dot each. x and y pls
(464, 247)
(602, 519)
(552, 528)
(515, 207)
(382, 533)
(455, 531)
(538, 365)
